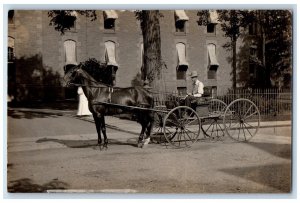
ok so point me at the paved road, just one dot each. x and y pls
(52, 151)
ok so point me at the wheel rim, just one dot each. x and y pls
(213, 127)
(157, 132)
(241, 120)
(181, 127)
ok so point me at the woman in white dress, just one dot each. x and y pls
(83, 107)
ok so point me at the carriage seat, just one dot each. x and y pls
(202, 106)
(202, 101)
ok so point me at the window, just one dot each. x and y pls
(213, 62)
(110, 53)
(11, 14)
(211, 28)
(11, 54)
(181, 91)
(182, 64)
(109, 19)
(10, 50)
(180, 26)
(214, 91)
(70, 52)
(210, 91)
(180, 20)
(212, 58)
(213, 20)
(70, 21)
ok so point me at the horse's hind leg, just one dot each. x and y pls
(149, 130)
(103, 129)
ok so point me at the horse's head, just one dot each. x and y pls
(72, 76)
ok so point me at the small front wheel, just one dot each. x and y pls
(181, 127)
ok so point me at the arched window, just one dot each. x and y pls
(212, 61)
(110, 53)
(182, 64)
(70, 52)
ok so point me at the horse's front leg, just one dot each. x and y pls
(103, 129)
(141, 137)
(98, 128)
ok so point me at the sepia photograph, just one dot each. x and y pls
(155, 101)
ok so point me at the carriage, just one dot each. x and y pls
(213, 119)
(169, 121)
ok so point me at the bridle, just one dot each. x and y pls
(99, 85)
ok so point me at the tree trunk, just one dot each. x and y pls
(234, 63)
(152, 46)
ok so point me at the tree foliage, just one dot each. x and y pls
(273, 38)
(63, 20)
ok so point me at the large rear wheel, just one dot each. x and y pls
(241, 120)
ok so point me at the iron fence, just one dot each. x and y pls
(272, 103)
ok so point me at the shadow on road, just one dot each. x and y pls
(29, 114)
(88, 143)
(279, 150)
(277, 176)
(26, 185)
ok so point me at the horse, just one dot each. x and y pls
(125, 97)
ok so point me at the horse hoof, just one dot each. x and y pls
(140, 145)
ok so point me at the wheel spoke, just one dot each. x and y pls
(244, 131)
(175, 124)
(251, 114)
(192, 132)
(239, 132)
(248, 110)
(188, 135)
(249, 125)
(192, 121)
(209, 127)
(248, 130)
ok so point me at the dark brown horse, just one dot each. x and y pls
(131, 96)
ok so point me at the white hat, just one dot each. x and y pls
(194, 74)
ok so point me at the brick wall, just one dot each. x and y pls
(35, 38)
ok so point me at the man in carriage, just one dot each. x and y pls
(197, 91)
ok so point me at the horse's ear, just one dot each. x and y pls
(115, 68)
